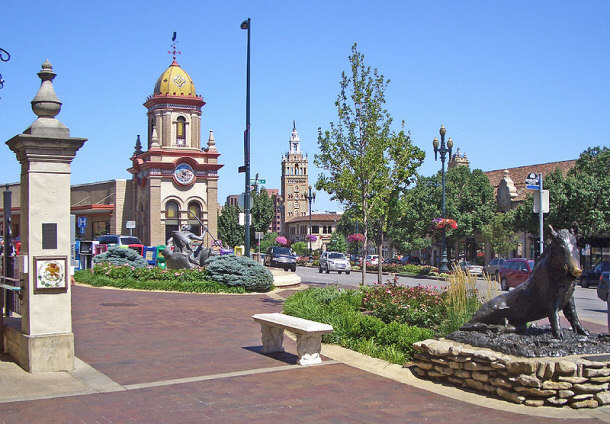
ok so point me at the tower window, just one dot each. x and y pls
(171, 218)
(181, 131)
(194, 209)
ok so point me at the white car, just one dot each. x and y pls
(471, 268)
(334, 261)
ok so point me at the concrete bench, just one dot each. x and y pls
(309, 335)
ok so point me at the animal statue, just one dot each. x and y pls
(549, 288)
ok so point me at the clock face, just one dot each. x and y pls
(184, 174)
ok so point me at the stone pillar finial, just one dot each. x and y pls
(45, 103)
(211, 141)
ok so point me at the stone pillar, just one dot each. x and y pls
(45, 151)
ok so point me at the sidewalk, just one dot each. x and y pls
(152, 357)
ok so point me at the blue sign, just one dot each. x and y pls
(82, 222)
(532, 182)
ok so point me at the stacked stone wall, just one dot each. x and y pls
(566, 381)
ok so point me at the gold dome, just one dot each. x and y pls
(175, 82)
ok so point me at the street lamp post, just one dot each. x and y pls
(443, 151)
(246, 168)
(310, 197)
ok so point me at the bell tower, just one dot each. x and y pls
(295, 180)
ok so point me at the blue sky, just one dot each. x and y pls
(514, 82)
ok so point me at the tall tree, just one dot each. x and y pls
(337, 243)
(366, 160)
(262, 212)
(501, 238)
(469, 200)
(230, 232)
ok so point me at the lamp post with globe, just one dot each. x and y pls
(310, 197)
(443, 151)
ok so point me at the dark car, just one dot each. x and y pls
(392, 261)
(515, 271)
(591, 277)
(281, 257)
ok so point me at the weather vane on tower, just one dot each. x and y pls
(173, 51)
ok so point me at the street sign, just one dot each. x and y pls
(259, 235)
(532, 181)
(545, 202)
(130, 224)
(82, 222)
(259, 181)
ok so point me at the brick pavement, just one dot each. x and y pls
(142, 337)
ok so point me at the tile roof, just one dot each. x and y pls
(519, 174)
(318, 217)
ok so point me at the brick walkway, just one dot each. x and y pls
(143, 339)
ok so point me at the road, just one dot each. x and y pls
(588, 306)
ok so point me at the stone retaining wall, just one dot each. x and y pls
(571, 380)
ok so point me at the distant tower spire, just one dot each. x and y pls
(173, 51)
(295, 141)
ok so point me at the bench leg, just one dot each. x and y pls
(308, 349)
(273, 337)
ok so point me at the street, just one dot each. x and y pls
(588, 305)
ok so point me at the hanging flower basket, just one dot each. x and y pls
(355, 238)
(444, 223)
(311, 238)
(281, 240)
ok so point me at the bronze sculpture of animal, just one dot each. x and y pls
(549, 289)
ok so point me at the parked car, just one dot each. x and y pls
(371, 260)
(120, 240)
(392, 261)
(334, 261)
(602, 287)
(281, 257)
(591, 277)
(471, 268)
(493, 268)
(515, 271)
(413, 260)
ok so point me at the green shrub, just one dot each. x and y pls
(124, 277)
(239, 271)
(351, 329)
(116, 255)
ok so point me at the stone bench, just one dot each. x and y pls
(309, 335)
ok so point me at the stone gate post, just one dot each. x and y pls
(45, 151)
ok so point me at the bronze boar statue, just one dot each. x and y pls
(549, 289)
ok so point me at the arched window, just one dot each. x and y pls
(172, 218)
(194, 213)
(181, 131)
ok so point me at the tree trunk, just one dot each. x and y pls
(380, 259)
(364, 245)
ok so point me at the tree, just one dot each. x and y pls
(368, 163)
(582, 196)
(300, 248)
(498, 233)
(337, 243)
(469, 200)
(268, 241)
(230, 232)
(262, 212)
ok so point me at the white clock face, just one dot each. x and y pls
(184, 174)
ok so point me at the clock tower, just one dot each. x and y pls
(295, 179)
(176, 181)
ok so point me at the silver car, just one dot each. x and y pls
(334, 261)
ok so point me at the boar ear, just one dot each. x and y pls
(553, 232)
